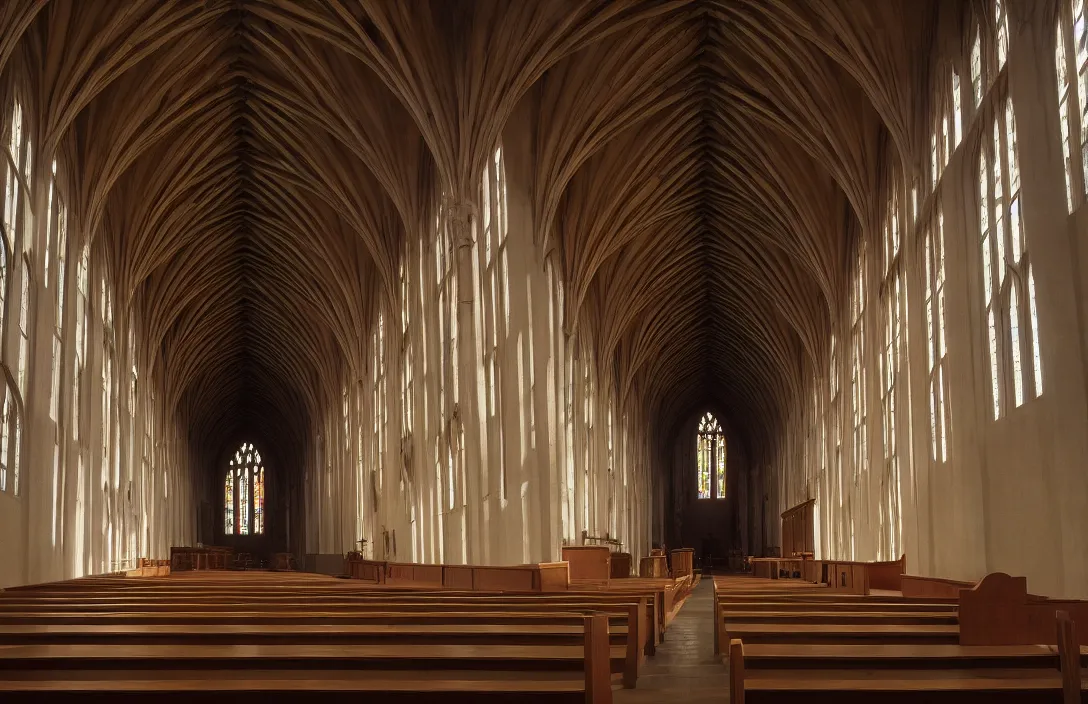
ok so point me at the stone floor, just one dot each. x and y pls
(685, 668)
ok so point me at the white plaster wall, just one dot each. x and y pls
(1013, 495)
(554, 397)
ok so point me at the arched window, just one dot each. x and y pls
(1071, 57)
(1016, 372)
(10, 438)
(710, 456)
(243, 493)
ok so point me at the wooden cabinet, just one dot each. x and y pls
(621, 565)
(653, 566)
(683, 560)
(202, 558)
(590, 562)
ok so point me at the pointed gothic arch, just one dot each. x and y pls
(244, 493)
(710, 458)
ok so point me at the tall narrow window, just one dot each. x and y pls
(957, 109)
(1008, 281)
(244, 493)
(936, 348)
(15, 446)
(448, 430)
(893, 302)
(407, 359)
(378, 407)
(1071, 60)
(858, 370)
(58, 235)
(8, 412)
(258, 500)
(243, 500)
(1002, 33)
(110, 465)
(493, 293)
(228, 503)
(710, 457)
(24, 327)
(18, 171)
(12, 189)
(976, 67)
(836, 419)
(82, 315)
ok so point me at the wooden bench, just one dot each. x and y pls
(559, 673)
(790, 644)
(761, 674)
(169, 599)
(224, 611)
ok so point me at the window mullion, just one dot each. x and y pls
(1073, 102)
(1073, 108)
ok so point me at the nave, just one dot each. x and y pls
(444, 292)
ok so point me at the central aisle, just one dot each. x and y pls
(685, 668)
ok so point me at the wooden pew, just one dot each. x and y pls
(1025, 618)
(895, 673)
(780, 611)
(73, 615)
(790, 645)
(343, 604)
(465, 626)
(405, 673)
(915, 586)
(620, 565)
(236, 600)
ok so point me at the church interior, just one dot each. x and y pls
(727, 305)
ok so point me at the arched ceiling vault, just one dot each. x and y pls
(254, 169)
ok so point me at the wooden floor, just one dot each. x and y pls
(685, 668)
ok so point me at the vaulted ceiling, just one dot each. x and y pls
(254, 167)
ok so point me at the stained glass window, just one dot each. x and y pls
(244, 493)
(710, 458)
(258, 501)
(228, 502)
(243, 500)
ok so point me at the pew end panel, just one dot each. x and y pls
(736, 671)
(635, 643)
(1068, 658)
(996, 593)
(554, 576)
(887, 575)
(621, 565)
(598, 665)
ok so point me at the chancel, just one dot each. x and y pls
(510, 350)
